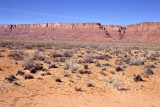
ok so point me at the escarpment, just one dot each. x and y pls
(146, 32)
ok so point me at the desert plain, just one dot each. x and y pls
(79, 74)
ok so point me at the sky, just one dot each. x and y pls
(117, 12)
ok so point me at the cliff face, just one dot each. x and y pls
(148, 32)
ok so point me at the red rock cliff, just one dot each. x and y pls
(148, 32)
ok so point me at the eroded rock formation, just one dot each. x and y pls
(146, 32)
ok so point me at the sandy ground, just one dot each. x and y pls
(48, 93)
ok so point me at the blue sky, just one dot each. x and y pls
(118, 12)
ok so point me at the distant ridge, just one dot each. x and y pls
(146, 32)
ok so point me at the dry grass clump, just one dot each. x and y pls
(88, 59)
(61, 53)
(103, 57)
(136, 60)
(38, 56)
(71, 65)
(59, 59)
(152, 55)
(118, 83)
(149, 72)
(29, 63)
(17, 55)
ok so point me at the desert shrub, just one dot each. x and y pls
(152, 55)
(67, 53)
(39, 78)
(136, 51)
(149, 72)
(59, 59)
(61, 53)
(37, 65)
(29, 46)
(122, 55)
(118, 83)
(67, 75)
(20, 72)
(137, 60)
(119, 69)
(78, 89)
(11, 78)
(103, 57)
(137, 78)
(17, 84)
(32, 70)
(28, 77)
(88, 59)
(84, 72)
(56, 53)
(103, 73)
(89, 85)
(38, 56)
(17, 55)
(53, 66)
(111, 72)
(85, 66)
(28, 62)
(150, 66)
(47, 73)
(71, 65)
(106, 64)
(47, 62)
(98, 64)
(58, 80)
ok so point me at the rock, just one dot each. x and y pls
(146, 32)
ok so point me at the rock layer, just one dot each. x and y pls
(146, 32)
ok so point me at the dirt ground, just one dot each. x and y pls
(108, 89)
